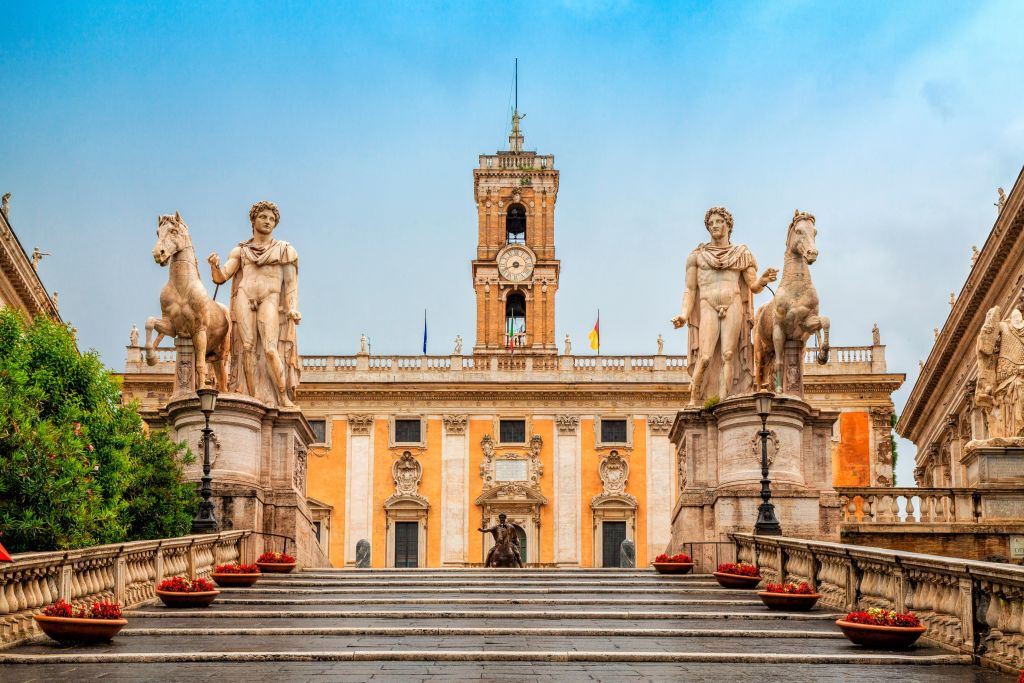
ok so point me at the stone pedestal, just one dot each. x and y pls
(994, 462)
(719, 456)
(258, 468)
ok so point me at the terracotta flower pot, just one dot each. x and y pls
(882, 637)
(178, 599)
(736, 580)
(673, 567)
(792, 602)
(235, 580)
(80, 630)
(276, 567)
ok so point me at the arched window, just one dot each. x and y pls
(515, 320)
(515, 224)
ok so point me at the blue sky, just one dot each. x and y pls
(892, 122)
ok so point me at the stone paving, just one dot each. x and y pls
(409, 625)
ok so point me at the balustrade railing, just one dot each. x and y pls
(970, 607)
(126, 572)
(913, 505)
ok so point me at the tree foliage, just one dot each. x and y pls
(77, 467)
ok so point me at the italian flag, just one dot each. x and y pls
(511, 333)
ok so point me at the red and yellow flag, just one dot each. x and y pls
(595, 334)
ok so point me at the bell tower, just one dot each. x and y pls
(515, 272)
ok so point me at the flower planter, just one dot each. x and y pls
(235, 580)
(736, 580)
(276, 567)
(181, 599)
(792, 602)
(673, 567)
(881, 637)
(80, 630)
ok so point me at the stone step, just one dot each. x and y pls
(859, 657)
(215, 613)
(482, 584)
(260, 589)
(490, 631)
(495, 601)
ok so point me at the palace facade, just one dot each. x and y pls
(416, 453)
(20, 285)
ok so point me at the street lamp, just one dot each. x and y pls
(767, 523)
(205, 522)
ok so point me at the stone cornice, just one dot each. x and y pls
(956, 338)
(16, 267)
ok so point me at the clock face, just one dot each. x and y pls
(515, 263)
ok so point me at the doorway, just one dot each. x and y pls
(407, 542)
(612, 536)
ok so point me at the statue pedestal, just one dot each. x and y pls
(258, 468)
(719, 455)
(994, 462)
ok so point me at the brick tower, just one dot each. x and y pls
(515, 273)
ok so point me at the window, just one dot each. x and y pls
(613, 431)
(515, 224)
(319, 430)
(512, 431)
(316, 531)
(515, 320)
(407, 431)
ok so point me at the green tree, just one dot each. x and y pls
(77, 467)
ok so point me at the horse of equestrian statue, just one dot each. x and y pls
(505, 552)
(185, 306)
(792, 315)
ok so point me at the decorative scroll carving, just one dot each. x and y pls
(567, 424)
(214, 447)
(489, 465)
(361, 424)
(614, 471)
(659, 424)
(773, 446)
(300, 467)
(407, 473)
(455, 424)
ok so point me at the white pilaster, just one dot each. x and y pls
(454, 490)
(359, 478)
(661, 485)
(568, 485)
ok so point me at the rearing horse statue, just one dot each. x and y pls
(186, 307)
(792, 315)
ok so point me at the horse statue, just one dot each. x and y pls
(185, 306)
(792, 315)
(505, 552)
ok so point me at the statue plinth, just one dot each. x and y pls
(994, 462)
(719, 454)
(258, 467)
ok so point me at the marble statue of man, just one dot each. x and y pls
(718, 307)
(264, 310)
(133, 336)
(661, 345)
(458, 345)
(1000, 388)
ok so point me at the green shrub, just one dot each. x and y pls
(77, 467)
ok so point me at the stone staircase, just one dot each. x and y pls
(451, 624)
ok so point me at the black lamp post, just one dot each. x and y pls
(205, 522)
(767, 523)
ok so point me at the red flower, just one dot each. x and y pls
(276, 558)
(739, 569)
(875, 616)
(106, 610)
(237, 569)
(790, 588)
(99, 610)
(178, 584)
(674, 559)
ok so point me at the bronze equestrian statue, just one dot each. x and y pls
(505, 552)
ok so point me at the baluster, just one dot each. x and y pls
(869, 507)
(894, 508)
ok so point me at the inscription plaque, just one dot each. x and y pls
(510, 470)
(1016, 547)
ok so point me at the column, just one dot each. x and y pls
(359, 480)
(454, 491)
(568, 483)
(661, 484)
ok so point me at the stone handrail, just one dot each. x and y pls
(969, 607)
(495, 367)
(125, 572)
(911, 505)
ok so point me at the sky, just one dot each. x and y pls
(892, 122)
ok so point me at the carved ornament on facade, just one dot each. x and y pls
(881, 417)
(773, 446)
(659, 424)
(455, 424)
(407, 473)
(614, 472)
(214, 447)
(567, 424)
(489, 466)
(299, 475)
(361, 424)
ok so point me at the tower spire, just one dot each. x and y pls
(515, 139)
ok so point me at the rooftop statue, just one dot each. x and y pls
(264, 310)
(792, 314)
(185, 306)
(718, 307)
